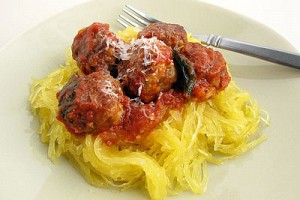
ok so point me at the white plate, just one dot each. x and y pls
(270, 171)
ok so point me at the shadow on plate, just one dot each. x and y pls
(263, 72)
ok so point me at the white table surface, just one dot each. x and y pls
(18, 16)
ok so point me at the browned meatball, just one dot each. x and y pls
(171, 34)
(149, 70)
(94, 48)
(210, 68)
(91, 103)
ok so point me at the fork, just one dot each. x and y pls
(139, 19)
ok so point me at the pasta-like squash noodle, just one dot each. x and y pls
(173, 158)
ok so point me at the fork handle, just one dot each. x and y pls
(264, 53)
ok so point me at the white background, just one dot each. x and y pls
(18, 16)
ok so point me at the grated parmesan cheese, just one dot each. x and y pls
(108, 90)
(149, 46)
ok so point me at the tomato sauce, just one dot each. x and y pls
(140, 119)
(127, 106)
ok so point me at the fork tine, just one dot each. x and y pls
(129, 22)
(142, 21)
(122, 23)
(135, 18)
(141, 14)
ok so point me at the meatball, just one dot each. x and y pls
(94, 48)
(210, 68)
(90, 103)
(149, 70)
(171, 34)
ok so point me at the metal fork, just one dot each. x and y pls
(137, 18)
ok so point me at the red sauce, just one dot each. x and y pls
(140, 119)
(149, 70)
(210, 68)
(128, 106)
(171, 34)
(90, 103)
(92, 48)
